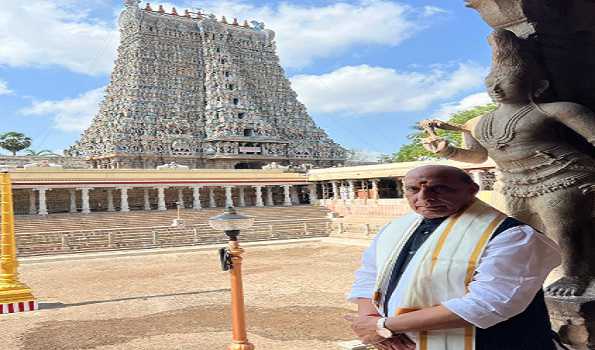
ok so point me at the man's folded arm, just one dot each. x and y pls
(365, 276)
(511, 271)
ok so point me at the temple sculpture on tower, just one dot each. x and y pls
(201, 92)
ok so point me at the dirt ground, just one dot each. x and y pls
(295, 299)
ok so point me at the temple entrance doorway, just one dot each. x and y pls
(249, 165)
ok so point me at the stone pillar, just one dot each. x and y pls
(147, 199)
(286, 197)
(477, 176)
(324, 190)
(258, 191)
(161, 198)
(295, 199)
(313, 193)
(181, 198)
(212, 202)
(85, 200)
(241, 199)
(335, 190)
(228, 197)
(110, 200)
(32, 203)
(351, 190)
(400, 186)
(269, 198)
(196, 197)
(124, 199)
(72, 193)
(343, 193)
(375, 194)
(43, 207)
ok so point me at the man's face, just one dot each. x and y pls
(435, 193)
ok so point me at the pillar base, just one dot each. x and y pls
(241, 346)
(574, 319)
(15, 293)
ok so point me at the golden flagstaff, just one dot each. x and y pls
(14, 295)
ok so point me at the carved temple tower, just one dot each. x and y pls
(190, 89)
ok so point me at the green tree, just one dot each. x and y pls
(14, 141)
(43, 152)
(414, 150)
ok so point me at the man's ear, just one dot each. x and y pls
(475, 188)
(542, 85)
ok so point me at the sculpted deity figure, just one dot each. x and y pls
(544, 152)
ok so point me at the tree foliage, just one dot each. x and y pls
(43, 152)
(414, 150)
(13, 141)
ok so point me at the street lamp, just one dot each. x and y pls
(230, 222)
(178, 222)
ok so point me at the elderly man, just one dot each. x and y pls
(456, 274)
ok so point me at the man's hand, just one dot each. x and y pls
(364, 327)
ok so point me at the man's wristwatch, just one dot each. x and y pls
(381, 329)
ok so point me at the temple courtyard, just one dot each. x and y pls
(168, 299)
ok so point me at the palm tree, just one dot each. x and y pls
(14, 141)
(43, 152)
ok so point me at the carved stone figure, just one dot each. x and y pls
(544, 152)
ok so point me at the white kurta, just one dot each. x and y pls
(511, 271)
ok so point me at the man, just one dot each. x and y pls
(456, 274)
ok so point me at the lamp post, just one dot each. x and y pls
(178, 221)
(231, 258)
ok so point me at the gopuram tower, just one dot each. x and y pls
(190, 89)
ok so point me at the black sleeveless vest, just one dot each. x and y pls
(529, 330)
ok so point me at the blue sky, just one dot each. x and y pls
(367, 70)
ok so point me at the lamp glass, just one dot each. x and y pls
(230, 220)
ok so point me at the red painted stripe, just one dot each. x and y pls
(32, 306)
(10, 308)
(1, 309)
(21, 306)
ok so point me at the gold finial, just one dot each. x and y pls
(148, 7)
(173, 11)
(161, 10)
(223, 20)
(235, 22)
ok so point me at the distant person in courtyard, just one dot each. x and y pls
(455, 274)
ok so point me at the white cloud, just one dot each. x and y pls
(37, 33)
(74, 114)
(365, 155)
(4, 90)
(433, 10)
(306, 33)
(364, 89)
(468, 102)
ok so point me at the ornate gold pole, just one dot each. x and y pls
(15, 295)
(238, 313)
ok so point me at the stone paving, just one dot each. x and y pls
(294, 297)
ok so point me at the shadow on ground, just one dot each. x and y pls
(286, 323)
(49, 306)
